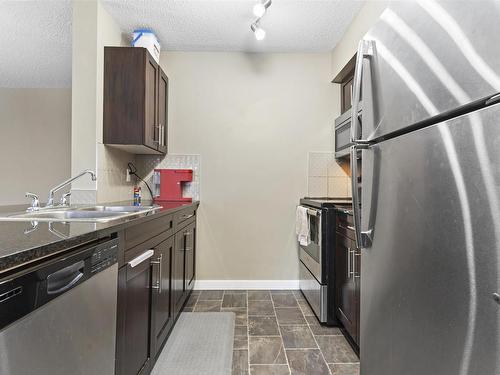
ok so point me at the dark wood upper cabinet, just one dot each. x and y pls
(346, 79)
(135, 101)
(162, 111)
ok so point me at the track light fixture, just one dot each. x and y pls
(259, 10)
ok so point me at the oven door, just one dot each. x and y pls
(312, 253)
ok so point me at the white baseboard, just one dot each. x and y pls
(245, 284)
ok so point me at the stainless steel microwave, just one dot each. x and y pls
(343, 134)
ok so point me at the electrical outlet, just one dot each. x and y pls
(128, 175)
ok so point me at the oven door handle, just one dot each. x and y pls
(313, 212)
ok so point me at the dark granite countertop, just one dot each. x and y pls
(21, 243)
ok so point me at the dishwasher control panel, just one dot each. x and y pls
(104, 256)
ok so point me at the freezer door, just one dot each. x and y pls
(431, 200)
(426, 58)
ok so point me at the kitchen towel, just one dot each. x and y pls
(302, 226)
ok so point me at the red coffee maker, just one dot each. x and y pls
(168, 184)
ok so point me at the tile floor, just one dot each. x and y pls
(277, 333)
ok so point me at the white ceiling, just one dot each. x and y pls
(35, 42)
(224, 25)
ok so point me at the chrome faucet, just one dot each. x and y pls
(50, 201)
(35, 202)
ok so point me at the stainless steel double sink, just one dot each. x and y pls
(101, 214)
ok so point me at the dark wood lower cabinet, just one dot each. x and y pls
(184, 264)
(347, 282)
(190, 240)
(133, 323)
(161, 304)
(178, 274)
(152, 293)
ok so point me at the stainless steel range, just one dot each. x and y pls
(317, 260)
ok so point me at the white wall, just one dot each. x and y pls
(93, 29)
(253, 118)
(347, 46)
(35, 133)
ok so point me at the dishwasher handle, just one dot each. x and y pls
(65, 278)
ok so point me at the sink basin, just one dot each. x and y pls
(83, 214)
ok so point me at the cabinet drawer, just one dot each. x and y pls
(345, 225)
(151, 243)
(181, 218)
(142, 232)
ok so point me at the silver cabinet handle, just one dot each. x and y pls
(185, 217)
(141, 258)
(349, 251)
(352, 271)
(188, 249)
(159, 263)
(350, 227)
(160, 134)
(356, 275)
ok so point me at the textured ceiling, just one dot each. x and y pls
(224, 25)
(35, 42)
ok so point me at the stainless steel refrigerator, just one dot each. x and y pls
(428, 218)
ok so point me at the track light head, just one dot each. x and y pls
(260, 8)
(259, 33)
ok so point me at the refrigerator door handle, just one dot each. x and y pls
(365, 49)
(363, 239)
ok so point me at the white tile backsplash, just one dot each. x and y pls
(337, 187)
(81, 196)
(318, 164)
(326, 177)
(317, 186)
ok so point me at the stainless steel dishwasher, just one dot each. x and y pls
(59, 318)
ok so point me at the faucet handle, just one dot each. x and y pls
(35, 201)
(64, 199)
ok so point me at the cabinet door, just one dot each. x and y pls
(151, 103)
(161, 292)
(178, 272)
(345, 284)
(357, 296)
(162, 111)
(133, 333)
(190, 241)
